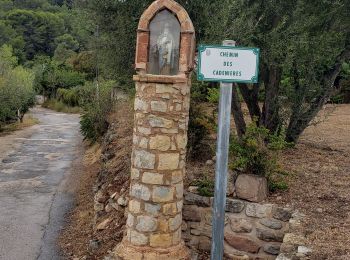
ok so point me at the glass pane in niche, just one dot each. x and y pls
(164, 48)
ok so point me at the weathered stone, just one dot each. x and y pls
(160, 142)
(159, 106)
(169, 209)
(240, 225)
(137, 238)
(180, 205)
(163, 225)
(155, 121)
(134, 206)
(195, 232)
(141, 104)
(122, 201)
(103, 225)
(251, 187)
(168, 161)
(163, 194)
(191, 213)
(130, 220)
(162, 88)
(146, 224)
(143, 143)
(234, 206)
(294, 239)
(152, 178)
(179, 190)
(153, 209)
(177, 236)
(195, 199)
(242, 243)
(269, 235)
(283, 257)
(175, 223)
(140, 191)
(259, 211)
(273, 249)
(144, 160)
(135, 174)
(304, 250)
(204, 244)
(176, 177)
(283, 214)
(181, 141)
(271, 223)
(144, 130)
(160, 240)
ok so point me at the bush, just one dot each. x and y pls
(94, 123)
(16, 87)
(257, 153)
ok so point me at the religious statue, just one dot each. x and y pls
(165, 50)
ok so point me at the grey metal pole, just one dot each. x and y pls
(217, 247)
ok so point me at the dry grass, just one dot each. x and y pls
(28, 121)
(58, 106)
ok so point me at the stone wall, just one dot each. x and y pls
(252, 230)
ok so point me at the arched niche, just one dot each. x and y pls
(149, 29)
(164, 46)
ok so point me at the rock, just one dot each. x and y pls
(108, 208)
(242, 243)
(269, 235)
(273, 249)
(283, 214)
(209, 162)
(204, 244)
(114, 195)
(240, 225)
(234, 206)
(94, 244)
(195, 199)
(230, 189)
(191, 213)
(319, 210)
(103, 225)
(304, 250)
(294, 239)
(251, 187)
(271, 223)
(98, 206)
(193, 189)
(258, 210)
(122, 201)
(283, 257)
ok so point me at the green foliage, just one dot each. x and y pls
(39, 30)
(94, 122)
(59, 106)
(16, 87)
(205, 186)
(257, 151)
(213, 95)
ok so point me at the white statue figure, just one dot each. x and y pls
(165, 48)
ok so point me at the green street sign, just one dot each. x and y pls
(228, 64)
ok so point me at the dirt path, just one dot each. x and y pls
(34, 185)
(320, 183)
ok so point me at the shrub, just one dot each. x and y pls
(94, 123)
(257, 152)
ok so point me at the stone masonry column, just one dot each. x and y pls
(159, 149)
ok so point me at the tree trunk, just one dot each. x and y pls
(270, 115)
(251, 98)
(237, 112)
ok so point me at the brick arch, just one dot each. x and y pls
(187, 41)
(174, 7)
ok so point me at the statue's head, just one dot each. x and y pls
(166, 28)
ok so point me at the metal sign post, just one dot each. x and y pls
(223, 138)
(225, 64)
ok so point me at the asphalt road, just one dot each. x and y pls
(34, 185)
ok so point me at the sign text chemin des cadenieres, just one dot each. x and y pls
(228, 64)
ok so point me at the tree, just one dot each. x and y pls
(39, 30)
(303, 45)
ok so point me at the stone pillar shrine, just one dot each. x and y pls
(164, 60)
